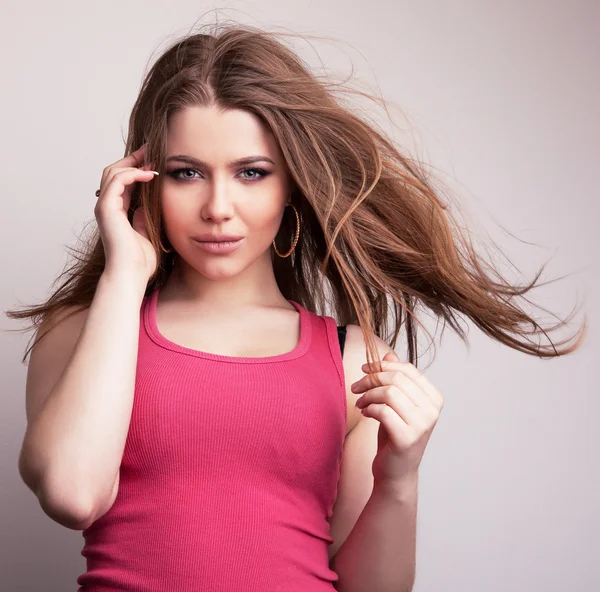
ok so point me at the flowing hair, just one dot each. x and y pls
(376, 239)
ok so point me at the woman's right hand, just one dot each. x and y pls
(127, 248)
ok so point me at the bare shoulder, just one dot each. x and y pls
(54, 343)
(355, 355)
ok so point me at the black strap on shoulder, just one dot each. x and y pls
(342, 337)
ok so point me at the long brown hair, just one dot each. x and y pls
(376, 236)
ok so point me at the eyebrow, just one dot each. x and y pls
(199, 163)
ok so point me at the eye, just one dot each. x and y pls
(175, 174)
(258, 174)
(261, 173)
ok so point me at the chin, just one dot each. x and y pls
(217, 271)
(216, 268)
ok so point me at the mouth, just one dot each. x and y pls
(220, 246)
(221, 238)
(219, 242)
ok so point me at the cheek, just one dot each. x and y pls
(266, 218)
(261, 226)
(174, 211)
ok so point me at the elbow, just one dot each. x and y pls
(66, 513)
(59, 504)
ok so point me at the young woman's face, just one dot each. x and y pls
(209, 194)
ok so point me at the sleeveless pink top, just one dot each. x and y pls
(230, 469)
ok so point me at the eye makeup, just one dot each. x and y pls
(259, 174)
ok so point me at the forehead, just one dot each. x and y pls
(210, 134)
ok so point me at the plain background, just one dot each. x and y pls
(503, 99)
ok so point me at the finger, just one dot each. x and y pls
(382, 366)
(128, 184)
(405, 384)
(135, 159)
(373, 379)
(413, 391)
(115, 195)
(396, 428)
(395, 398)
(416, 375)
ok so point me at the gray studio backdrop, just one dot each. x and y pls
(503, 101)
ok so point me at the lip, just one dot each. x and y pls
(215, 238)
(218, 247)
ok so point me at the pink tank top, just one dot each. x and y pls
(230, 469)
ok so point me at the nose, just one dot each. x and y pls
(218, 204)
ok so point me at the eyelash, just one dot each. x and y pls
(175, 174)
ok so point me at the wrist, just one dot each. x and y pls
(128, 281)
(401, 490)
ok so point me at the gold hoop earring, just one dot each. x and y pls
(160, 246)
(295, 241)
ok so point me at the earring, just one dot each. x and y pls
(295, 241)
(160, 245)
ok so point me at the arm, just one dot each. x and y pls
(80, 387)
(379, 553)
(373, 527)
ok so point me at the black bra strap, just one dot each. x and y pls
(342, 337)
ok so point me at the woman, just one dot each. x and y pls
(190, 406)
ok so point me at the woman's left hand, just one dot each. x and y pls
(407, 407)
